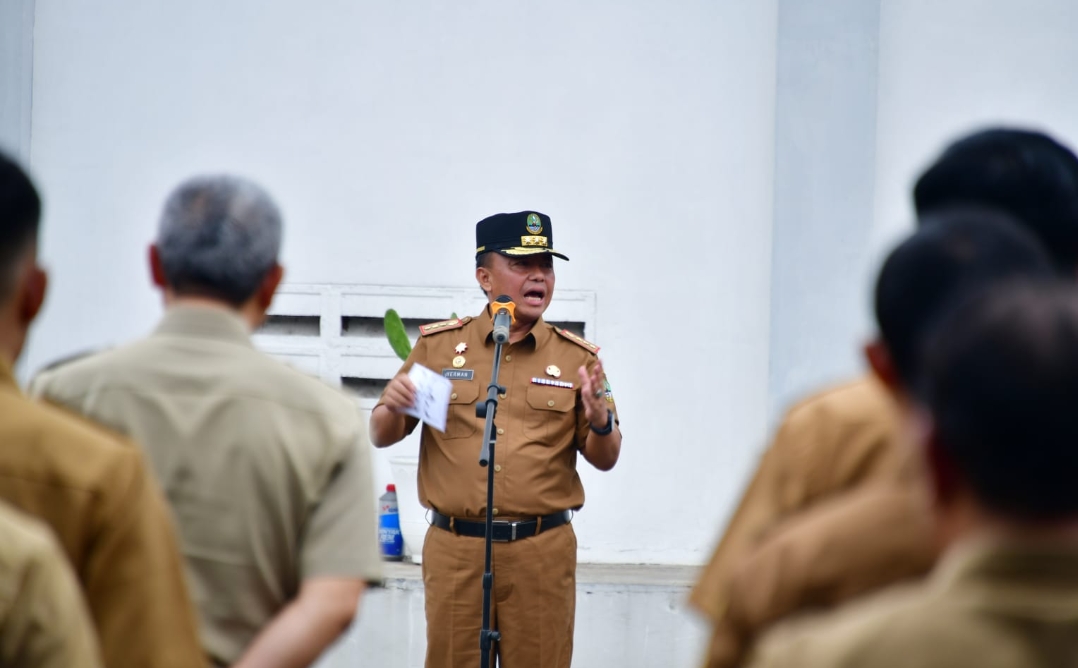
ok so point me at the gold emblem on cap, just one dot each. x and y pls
(458, 361)
(553, 371)
(535, 224)
(461, 348)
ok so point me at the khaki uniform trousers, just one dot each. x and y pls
(533, 601)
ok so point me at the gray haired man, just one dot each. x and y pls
(267, 471)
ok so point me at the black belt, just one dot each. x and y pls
(504, 531)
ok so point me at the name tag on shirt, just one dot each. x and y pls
(458, 374)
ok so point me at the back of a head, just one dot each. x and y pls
(950, 254)
(218, 237)
(1001, 382)
(20, 215)
(1021, 172)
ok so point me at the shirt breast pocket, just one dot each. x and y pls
(461, 421)
(549, 410)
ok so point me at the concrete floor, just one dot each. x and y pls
(628, 616)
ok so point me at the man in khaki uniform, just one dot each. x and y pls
(91, 488)
(267, 470)
(999, 385)
(827, 443)
(777, 527)
(557, 404)
(44, 622)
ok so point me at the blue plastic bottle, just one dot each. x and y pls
(389, 526)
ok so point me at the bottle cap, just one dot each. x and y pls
(391, 488)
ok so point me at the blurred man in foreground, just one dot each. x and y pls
(999, 385)
(90, 487)
(266, 469)
(835, 450)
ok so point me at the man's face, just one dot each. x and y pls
(527, 279)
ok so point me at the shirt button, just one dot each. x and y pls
(453, 396)
(550, 403)
(495, 511)
(497, 468)
(501, 396)
(508, 358)
(500, 432)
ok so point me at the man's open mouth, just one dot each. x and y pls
(535, 297)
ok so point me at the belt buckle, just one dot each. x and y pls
(512, 531)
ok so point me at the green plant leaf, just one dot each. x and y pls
(398, 338)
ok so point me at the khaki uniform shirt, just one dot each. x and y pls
(541, 426)
(852, 543)
(828, 443)
(828, 448)
(267, 470)
(43, 618)
(989, 606)
(108, 514)
(840, 548)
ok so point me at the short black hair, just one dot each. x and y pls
(20, 215)
(951, 253)
(1025, 173)
(1001, 382)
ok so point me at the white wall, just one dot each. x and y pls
(386, 130)
(648, 130)
(934, 71)
(825, 132)
(947, 68)
(16, 76)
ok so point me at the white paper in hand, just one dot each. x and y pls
(431, 396)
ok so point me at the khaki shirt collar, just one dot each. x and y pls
(538, 335)
(7, 378)
(984, 560)
(205, 322)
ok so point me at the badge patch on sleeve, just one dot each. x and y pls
(607, 391)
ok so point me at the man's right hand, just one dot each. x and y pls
(399, 394)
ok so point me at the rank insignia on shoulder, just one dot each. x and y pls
(442, 326)
(583, 343)
(552, 383)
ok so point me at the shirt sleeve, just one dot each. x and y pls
(856, 542)
(760, 507)
(134, 575)
(341, 536)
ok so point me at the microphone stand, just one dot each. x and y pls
(489, 638)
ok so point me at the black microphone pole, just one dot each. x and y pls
(488, 638)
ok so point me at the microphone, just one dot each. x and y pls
(503, 309)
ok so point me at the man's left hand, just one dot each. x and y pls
(593, 394)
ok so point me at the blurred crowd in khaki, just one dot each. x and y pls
(187, 501)
(907, 471)
(184, 500)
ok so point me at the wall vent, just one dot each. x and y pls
(335, 331)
